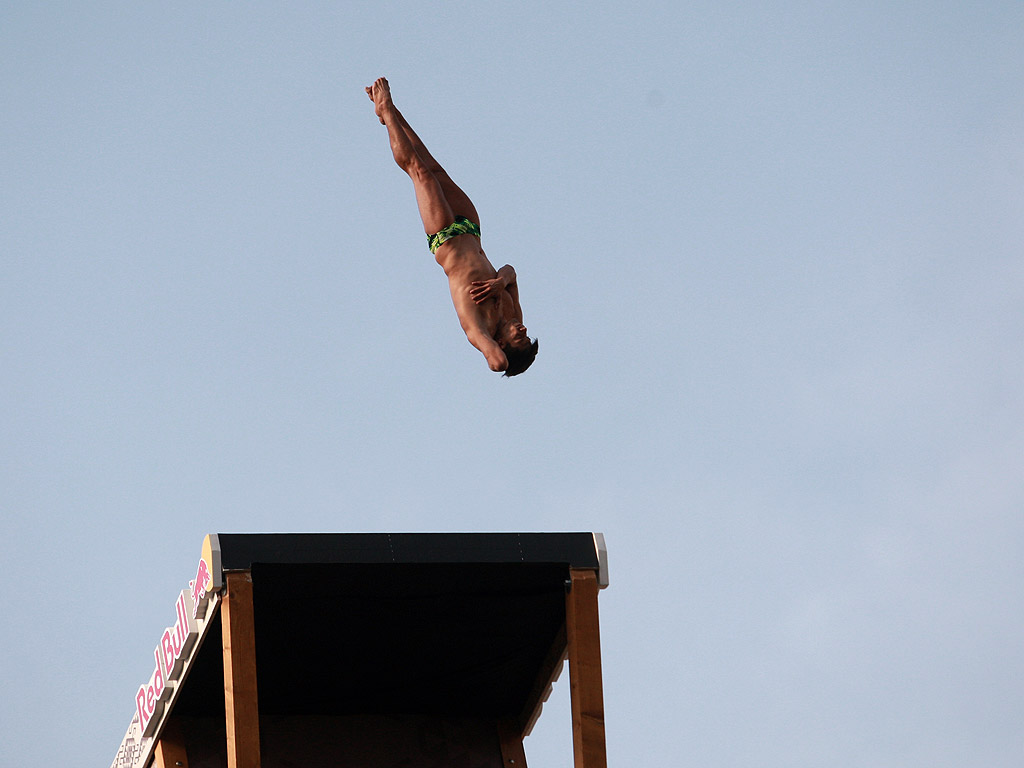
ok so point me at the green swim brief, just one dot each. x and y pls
(461, 226)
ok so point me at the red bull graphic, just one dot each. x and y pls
(171, 657)
(199, 586)
(169, 654)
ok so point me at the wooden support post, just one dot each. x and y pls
(170, 748)
(584, 647)
(512, 753)
(240, 703)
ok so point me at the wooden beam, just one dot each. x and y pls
(512, 753)
(241, 706)
(550, 670)
(584, 648)
(169, 751)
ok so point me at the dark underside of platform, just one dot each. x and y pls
(442, 639)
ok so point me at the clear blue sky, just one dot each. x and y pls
(773, 254)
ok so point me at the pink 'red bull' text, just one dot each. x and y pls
(169, 656)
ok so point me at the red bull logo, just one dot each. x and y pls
(177, 641)
(199, 586)
(170, 657)
(170, 653)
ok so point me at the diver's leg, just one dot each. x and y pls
(431, 200)
(458, 200)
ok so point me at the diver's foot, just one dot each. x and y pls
(380, 95)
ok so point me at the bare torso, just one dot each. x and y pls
(464, 261)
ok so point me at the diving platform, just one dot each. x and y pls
(419, 650)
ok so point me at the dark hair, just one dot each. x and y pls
(519, 359)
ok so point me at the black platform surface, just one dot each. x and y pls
(239, 551)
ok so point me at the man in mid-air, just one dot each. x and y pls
(486, 300)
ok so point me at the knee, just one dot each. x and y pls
(407, 160)
(417, 169)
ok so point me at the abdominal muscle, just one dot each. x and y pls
(464, 261)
